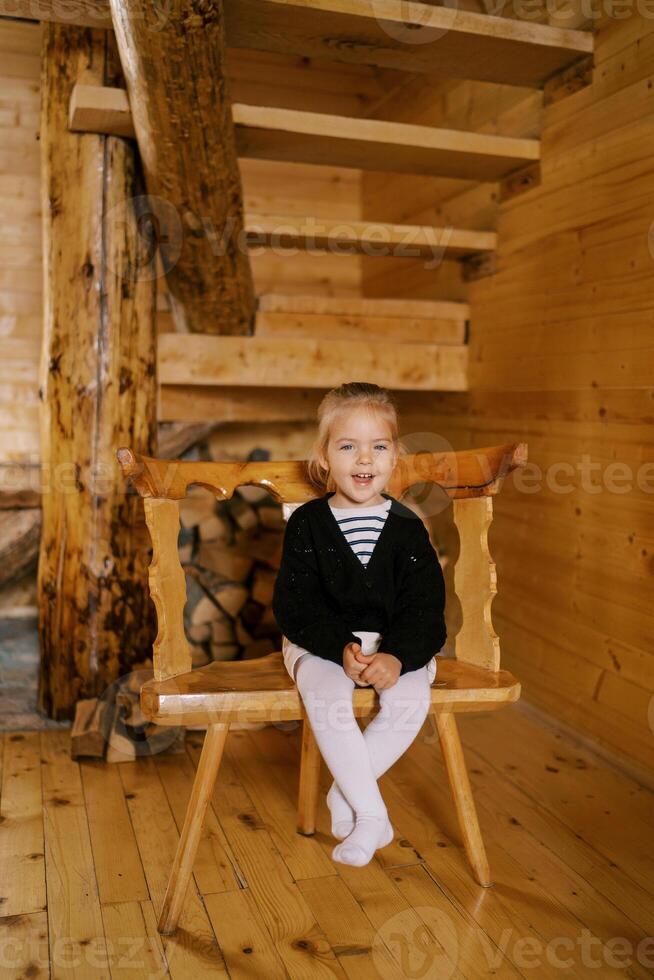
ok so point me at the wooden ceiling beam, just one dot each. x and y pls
(175, 79)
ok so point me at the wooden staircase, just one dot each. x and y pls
(311, 342)
(300, 346)
(311, 339)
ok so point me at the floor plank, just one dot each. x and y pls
(134, 946)
(22, 885)
(24, 946)
(77, 940)
(115, 851)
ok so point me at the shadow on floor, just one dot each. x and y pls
(19, 668)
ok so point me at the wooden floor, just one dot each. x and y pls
(85, 852)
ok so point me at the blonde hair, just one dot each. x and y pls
(348, 396)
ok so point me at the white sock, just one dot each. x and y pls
(402, 712)
(341, 812)
(368, 835)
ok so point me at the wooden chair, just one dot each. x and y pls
(261, 689)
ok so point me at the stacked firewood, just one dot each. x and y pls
(113, 727)
(230, 551)
(20, 533)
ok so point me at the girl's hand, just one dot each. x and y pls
(380, 669)
(351, 665)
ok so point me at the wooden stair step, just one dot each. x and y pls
(342, 326)
(100, 109)
(204, 360)
(293, 326)
(374, 306)
(366, 237)
(235, 403)
(268, 133)
(339, 318)
(411, 37)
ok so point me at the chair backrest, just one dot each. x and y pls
(470, 478)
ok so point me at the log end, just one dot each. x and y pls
(130, 462)
(520, 455)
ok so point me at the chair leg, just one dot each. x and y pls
(203, 784)
(457, 775)
(309, 781)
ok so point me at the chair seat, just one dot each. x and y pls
(262, 690)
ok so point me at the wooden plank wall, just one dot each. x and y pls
(279, 188)
(20, 241)
(562, 356)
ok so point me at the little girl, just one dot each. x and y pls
(360, 601)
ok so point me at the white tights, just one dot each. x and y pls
(357, 759)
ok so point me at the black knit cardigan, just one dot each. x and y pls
(323, 592)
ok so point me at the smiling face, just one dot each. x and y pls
(360, 442)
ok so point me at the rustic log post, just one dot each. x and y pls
(174, 66)
(97, 387)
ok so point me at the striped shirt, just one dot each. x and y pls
(361, 527)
